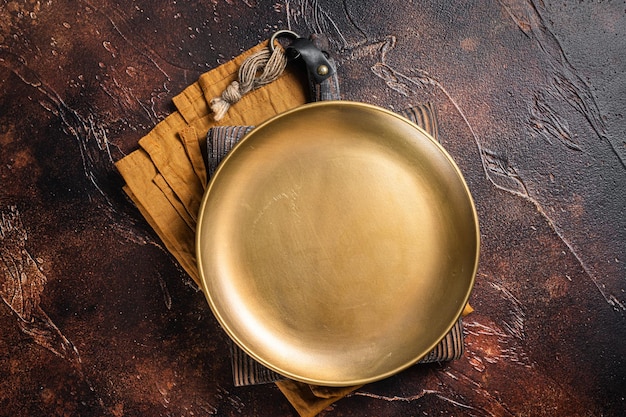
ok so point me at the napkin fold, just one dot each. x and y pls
(166, 178)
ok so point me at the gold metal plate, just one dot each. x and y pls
(337, 243)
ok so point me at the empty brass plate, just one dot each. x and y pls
(337, 243)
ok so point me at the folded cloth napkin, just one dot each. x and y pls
(166, 177)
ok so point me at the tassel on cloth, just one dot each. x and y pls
(271, 64)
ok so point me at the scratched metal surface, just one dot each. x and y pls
(97, 319)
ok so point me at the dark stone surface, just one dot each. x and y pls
(97, 319)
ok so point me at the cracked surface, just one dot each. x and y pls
(97, 319)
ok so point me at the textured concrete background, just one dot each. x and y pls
(97, 319)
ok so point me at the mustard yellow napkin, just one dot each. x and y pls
(166, 176)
